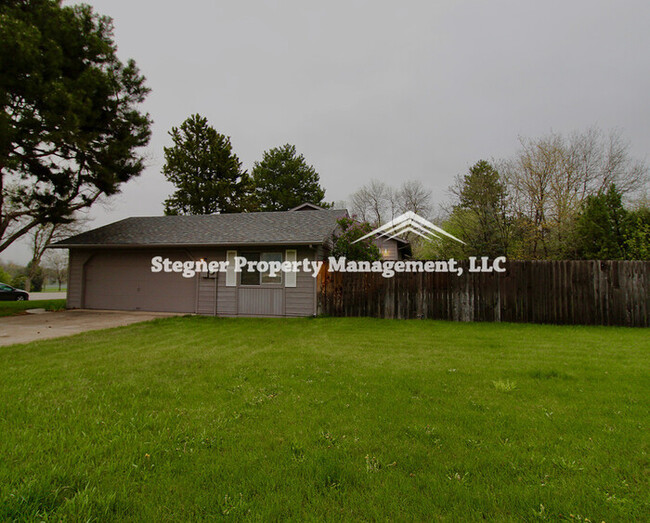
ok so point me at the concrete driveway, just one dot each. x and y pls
(32, 327)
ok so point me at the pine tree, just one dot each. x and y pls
(206, 172)
(283, 180)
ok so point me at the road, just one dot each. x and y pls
(46, 296)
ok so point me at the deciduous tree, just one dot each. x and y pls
(550, 177)
(378, 203)
(350, 230)
(45, 234)
(56, 263)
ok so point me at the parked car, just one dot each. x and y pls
(9, 293)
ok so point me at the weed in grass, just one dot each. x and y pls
(457, 476)
(330, 439)
(566, 464)
(612, 498)
(230, 505)
(504, 385)
(372, 464)
(540, 513)
(297, 452)
(580, 518)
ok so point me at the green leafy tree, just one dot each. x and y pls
(35, 277)
(70, 124)
(550, 176)
(603, 227)
(349, 231)
(205, 170)
(5, 277)
(284, 180)
(19, 281)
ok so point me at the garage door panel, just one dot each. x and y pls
(124, 281)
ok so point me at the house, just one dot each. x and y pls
(111, 267)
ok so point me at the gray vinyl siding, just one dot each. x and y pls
(207, 295)
(226, 297)
(260, 301)
(76, 261)
(301, 299)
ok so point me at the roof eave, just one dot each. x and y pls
(180, 245)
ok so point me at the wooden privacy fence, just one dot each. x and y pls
(562, 292)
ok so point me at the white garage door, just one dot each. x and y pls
(124, 281)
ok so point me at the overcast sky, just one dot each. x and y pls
(385, 90)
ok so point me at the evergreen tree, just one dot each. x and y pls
(284, 180)
(603, 227)
(480, 216)
(637, 242)
(70, 124)
(206, 172)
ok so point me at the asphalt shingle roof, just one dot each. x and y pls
(259, 228)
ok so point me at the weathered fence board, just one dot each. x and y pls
(562, 292)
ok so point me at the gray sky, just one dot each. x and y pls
(386, 90)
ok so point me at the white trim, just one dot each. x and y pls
(231, 275)
(290, 277)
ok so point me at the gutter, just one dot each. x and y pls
(179, 245)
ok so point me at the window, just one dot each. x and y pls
(250, 277)
(255, 277)
(271, 257)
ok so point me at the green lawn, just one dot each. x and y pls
(54, 287)
(200, 418)
(10, 308)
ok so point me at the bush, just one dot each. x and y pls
(5, 277)
(19, 281)
(350, 231)
(36, 277)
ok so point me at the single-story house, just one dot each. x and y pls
(111, 267)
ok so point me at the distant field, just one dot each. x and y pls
(9, 308)
(326, 419)
(54, 288)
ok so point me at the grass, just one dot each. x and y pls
(54, 288)
(327, 419)
(11, 308)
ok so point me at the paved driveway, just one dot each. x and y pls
(31, 327)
